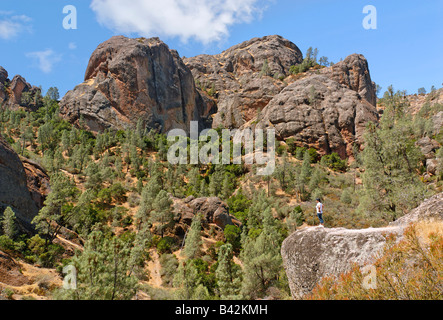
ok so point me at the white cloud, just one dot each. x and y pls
(203, 20)
(72, 46)
(12, 25)
(46, 59)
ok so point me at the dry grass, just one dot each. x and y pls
(411, 269)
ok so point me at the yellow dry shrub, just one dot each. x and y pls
(411, 269)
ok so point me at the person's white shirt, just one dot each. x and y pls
(319, 208)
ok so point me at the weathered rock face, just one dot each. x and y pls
(235, 77)
(37, 181)
(353, 72)
(11, 91)
(320, 113)
(3, 78)
(131, 79)
(244, 96)
(14, 192)
(313, 253)
(213, 210)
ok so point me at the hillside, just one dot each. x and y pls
(87, 178)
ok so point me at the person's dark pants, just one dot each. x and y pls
(320, 217)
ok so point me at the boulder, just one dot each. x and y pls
(213, 211)
(315, 252)
(428, 147)
(319, 113)
(128, 80)
(432, 166)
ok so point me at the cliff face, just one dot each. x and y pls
(331, 117)
(128, 80)
(11, 91)
(320, 113)
(236, 76)
(14, 190)
(313, 253)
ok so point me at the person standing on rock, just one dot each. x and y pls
(319, 209)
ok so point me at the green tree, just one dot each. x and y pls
(304, 176)
(261, 259)
(266, 70)
(391, 186)
(162, 214)
(57, 211)
(149, 193)
(105, 269)
(53, 93)
(193, 240)
(9, 227)
(228, 274)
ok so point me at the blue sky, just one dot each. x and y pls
(405, 50)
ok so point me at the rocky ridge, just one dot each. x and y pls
(235, 78)
(247, 93)
(11, 91)
(313, 253)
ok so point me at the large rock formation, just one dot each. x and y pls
(136, 79)
(353, 72)
(313, 253)
(320, 113)
(3, 79)
(213, 211)
(235, 79)
(247, 93)
(14, 190)
(11, 91)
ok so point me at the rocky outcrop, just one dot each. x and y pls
(14, 191)
(128, 80)
(247, 93)
(313, 253)
(319, 113)
(235, 80)
(11, 91)
(428, 147)
(353, 72)
(213, 211)
(38, 182)
(3, 79)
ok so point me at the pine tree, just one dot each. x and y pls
(390, 185)
(162, 214)
(148, 195)
(261, 259)
(8, 223)
(193, 241)
(304, 176)
(56, 213)
(228, 274)
(266, 70)
(105, 270)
